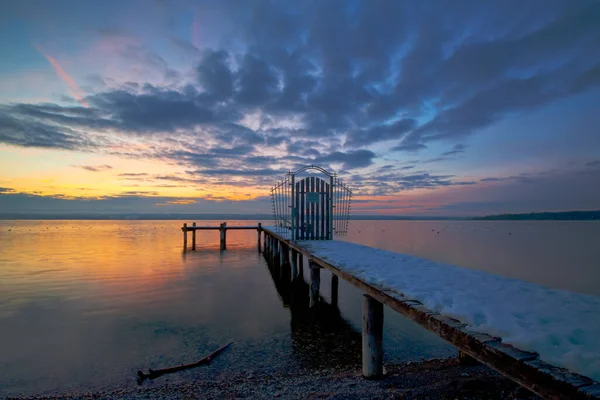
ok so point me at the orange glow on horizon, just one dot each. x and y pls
(72, 87)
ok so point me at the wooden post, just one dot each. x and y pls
(275, 250)
(282, 251)
(221, 237)
(300, 264)
(282, 265)
(334, 290)
(294, 264)
(372, 333)
(185, 236)
(315, 282)
(268, 245)
(224, 235)
(465, 359)
(259, 231)
(194, 237)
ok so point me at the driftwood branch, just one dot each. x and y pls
(152, 374)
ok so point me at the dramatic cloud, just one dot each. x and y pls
(352, 86)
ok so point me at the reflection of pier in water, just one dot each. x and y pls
(321, 337)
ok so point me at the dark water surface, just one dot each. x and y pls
(85, 304)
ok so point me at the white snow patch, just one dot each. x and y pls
(562, 327)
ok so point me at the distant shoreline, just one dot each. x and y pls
(534, 216)
(545, 216)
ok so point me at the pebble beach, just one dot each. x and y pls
(433, 379)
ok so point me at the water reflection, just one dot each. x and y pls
(321, 337)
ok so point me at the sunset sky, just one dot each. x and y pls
(424, 108)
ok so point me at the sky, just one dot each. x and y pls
(437, 108)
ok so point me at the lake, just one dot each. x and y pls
(85, 304)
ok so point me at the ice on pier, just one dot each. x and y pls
(562, 327)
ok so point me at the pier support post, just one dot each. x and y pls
(465, 359)
(184, 236)
(315, 282)
(275, 250)
(300, 264)
(222, 236)
(194, 236)
(294, 264)
(282, 264)
(271, 250)
(372, 333)
(259, 231)
(334, 290)
(282, 254)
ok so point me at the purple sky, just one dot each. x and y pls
(424, 108)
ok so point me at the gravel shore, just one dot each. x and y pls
(434, 379)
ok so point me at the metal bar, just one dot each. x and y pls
(330, 202)
(302, 200)
(316, 206)
(292, 214)
(322, 204)
(312, 209)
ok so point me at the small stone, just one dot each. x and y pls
(277, 394)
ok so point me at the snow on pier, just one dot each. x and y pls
(563, 328)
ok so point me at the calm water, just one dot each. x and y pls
(85, 304)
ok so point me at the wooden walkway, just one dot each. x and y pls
(222, 228)
(523, 367)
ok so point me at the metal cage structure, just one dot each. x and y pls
(311, 207)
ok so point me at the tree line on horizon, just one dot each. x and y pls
(546, 216)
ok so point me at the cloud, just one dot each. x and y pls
(133, 174)
(244, 172)
(93, 168)
(214, 74)
(380, 133)
(129, 202)
(457, 149)
(74, 89)
(350, 159)
(333, 83)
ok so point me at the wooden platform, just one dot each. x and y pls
(222, 228)
(523, 367)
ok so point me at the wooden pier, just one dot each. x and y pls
(524, 368)
(222, 228)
